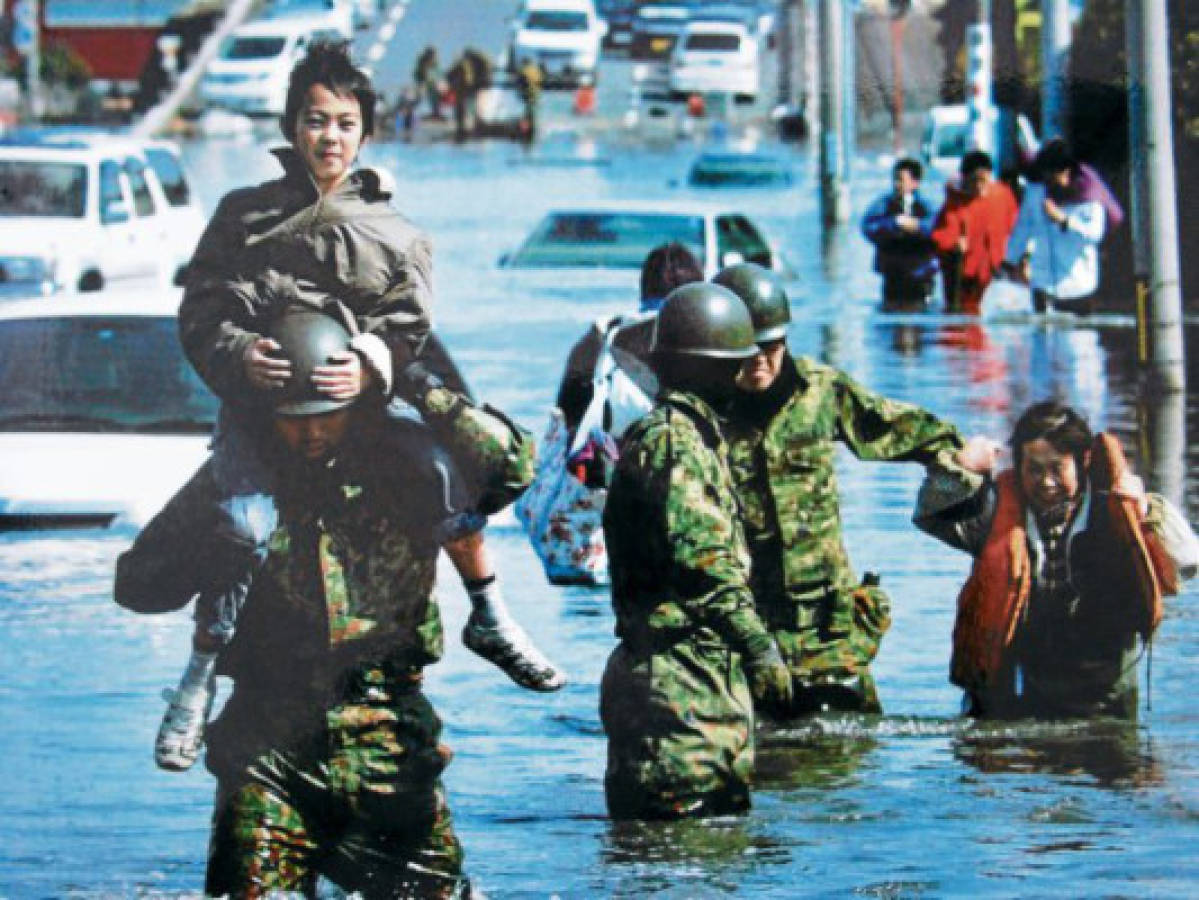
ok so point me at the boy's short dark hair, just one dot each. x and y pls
(909, 165)
(1060, 425)
(975, 160)
(667, 267)
(328, 63)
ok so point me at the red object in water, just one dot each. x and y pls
(584, 100)
(695, 105)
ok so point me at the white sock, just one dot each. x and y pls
(487, 601)
(197, 677)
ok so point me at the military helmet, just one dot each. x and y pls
(308, 337)
(762, 292)
(702, 319)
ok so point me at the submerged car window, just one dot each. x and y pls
(952, 140)
(556, 21)
(143, 200)
(170, 176)
(254, 47)
(30, 188)
(739, 171)
(119, 373)
(112, 201)
(616, 240)
(720, 42)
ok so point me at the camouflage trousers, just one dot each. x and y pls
(680, 732)
(368, 813)
(828, 641)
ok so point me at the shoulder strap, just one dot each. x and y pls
(707, 430)
(604, 361)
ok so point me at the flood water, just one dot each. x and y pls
(915, 803)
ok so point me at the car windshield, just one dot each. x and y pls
(31, 188)
(739, 171)
(300, 6)
(170, 176)
(652, 14)
(713, 41)
(607, 239)
(99, 373)
(556, 21)
(266, 47)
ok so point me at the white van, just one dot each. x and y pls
(250, 73)
(562, 36)
(80, 213)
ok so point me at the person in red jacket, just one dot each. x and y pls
(971, 232)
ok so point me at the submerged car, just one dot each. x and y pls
(621, 238)
(102, 418)
(734, 169)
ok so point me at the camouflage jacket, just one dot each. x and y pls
(350, 244)
(344, 603)
(781, 449)
(678, 560)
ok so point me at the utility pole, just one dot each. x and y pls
(1056, 35)
(979, 78)
(834, 192)
(811, 64)
(1154, 214)
(899, 10)
(26, 15)
(849, 89)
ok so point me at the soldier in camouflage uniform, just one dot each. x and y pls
(327, 754)
(785, 421)
(677, 695)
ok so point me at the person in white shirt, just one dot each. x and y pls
(1054, 247)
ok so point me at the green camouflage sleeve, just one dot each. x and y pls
(877, 428)
(708, 556)
(499, 456)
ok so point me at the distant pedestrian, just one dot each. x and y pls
(528, 85)
(1072, 558)
(971, 232)
(469, 74)
(1055, 244)
(899, 224)
(405, 112)
(427, 75)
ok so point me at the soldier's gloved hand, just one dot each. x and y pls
(770, 681)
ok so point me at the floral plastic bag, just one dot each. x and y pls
(563, 516)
